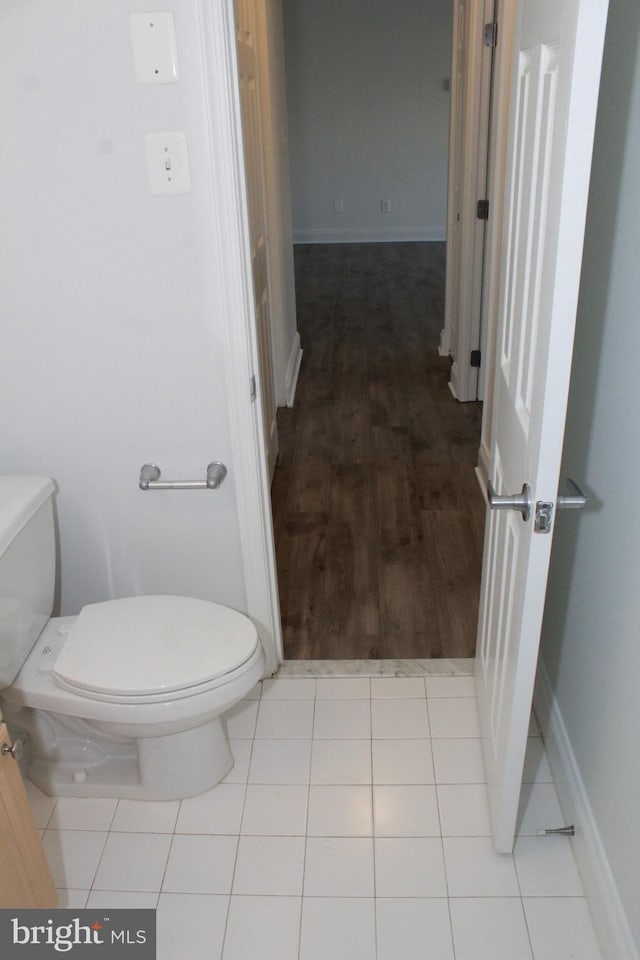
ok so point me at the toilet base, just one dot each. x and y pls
(154, 768)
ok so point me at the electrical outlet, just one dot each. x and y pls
(385, 206)
(338, 206)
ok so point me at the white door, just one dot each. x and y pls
(256, 199)
(554, 90)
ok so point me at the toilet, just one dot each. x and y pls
(125, 699)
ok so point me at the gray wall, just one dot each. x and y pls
(591, 633)
(368, 117)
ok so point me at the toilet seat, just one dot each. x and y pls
(145, 649)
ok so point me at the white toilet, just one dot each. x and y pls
(125, 699)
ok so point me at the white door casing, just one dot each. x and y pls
(468, 145)
(287, 351)
(557, 55)
(237, 309)
(497, 165)
(248, 77)
(454, 199)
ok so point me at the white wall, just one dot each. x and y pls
(368, 117)
(112, 341)
(591, 648)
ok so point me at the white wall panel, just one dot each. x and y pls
(368, 117)
(111, 345)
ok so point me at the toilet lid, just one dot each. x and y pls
(139, 646)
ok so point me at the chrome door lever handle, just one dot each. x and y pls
(515, 501)
(575, 500)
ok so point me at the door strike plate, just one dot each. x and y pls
(544, 516)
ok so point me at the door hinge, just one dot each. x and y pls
(490, 35)
(476, 358)
(253, 391)
(482, 210)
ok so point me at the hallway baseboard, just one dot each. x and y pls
(606, 908)
(293, 369)
(370, 235)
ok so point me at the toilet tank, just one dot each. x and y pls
(27, 567)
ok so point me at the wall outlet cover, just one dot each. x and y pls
(153, 42)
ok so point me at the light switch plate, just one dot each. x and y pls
(153, 41)
(168, 163)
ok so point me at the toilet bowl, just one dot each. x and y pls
(126, 699)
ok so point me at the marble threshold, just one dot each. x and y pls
(445, 667)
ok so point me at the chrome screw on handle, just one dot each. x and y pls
(16, 749)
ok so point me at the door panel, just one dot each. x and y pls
(553, 100)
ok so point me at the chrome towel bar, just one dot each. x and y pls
(150, 478)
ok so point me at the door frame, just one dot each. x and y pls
(469, 136)
(237, 309)
(240, 341)
(496, 179)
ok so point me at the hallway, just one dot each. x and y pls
(377, 514)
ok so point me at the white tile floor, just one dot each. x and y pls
(353, 826)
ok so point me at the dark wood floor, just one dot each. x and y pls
(378, 517)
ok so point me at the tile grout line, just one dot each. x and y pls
(444, 861)
(373, 826)
(244, 801)
(306, 825)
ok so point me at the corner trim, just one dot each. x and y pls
(607, 911)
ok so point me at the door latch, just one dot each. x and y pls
(544, 517)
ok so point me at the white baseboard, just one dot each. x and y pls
(606, 908)
(453, 380)
(481, 477)
(482, 470)
(443, 343)
(371, 235)
(293, 369)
